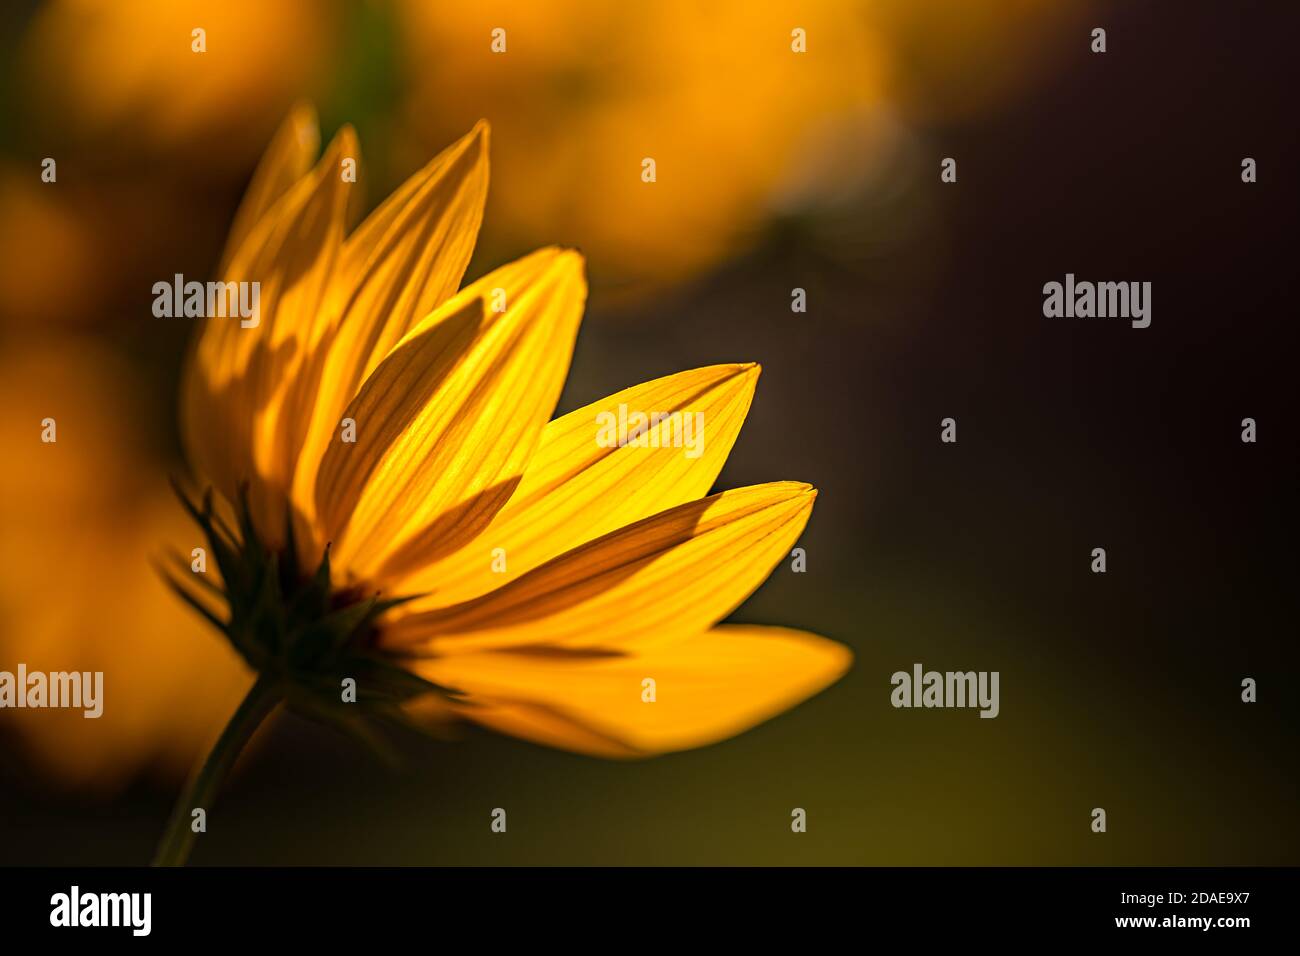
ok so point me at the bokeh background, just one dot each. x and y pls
(775, 171)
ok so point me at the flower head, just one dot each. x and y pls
(403, 514)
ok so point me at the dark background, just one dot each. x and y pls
(1119, 690)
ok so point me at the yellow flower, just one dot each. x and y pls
(80, 519)
(587, 90)
(189, 79)
(410, 520)
(740, 125)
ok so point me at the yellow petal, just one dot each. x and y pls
(286, 161)
(676, 573)
(249, 390)
(216, 407)
(707, 688)
(578, 488)
(407, 258)
(447, 422)
(425, 231)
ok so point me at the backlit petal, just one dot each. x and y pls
(582, 483)
(707, 687)
(286, 161)
(447, 423)
(676, 573)
(250, 387)
(406, 259)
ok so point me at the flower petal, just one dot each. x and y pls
(423, 234)
(707, 688)
(286, 161)
(407, 258)
(447, 423)
(578, 487)
(675, 573)
(248, 388)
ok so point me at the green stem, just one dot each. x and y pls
(202, 788)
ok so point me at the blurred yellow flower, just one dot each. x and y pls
(728, 102)
(375, 408)
(80, 521)
(129, 77)
(584, 92)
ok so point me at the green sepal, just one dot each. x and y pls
(295, 628)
